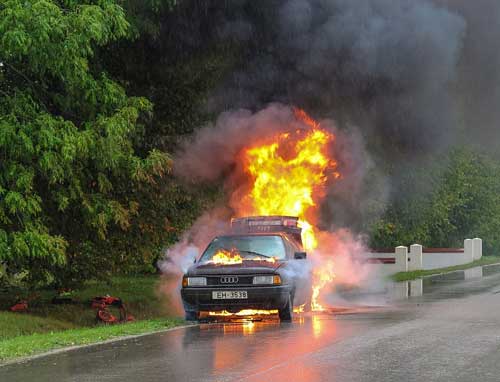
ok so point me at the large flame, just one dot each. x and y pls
(288, 175)
(322, 277)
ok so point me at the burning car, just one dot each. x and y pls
(259, 265)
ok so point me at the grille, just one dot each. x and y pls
(242, 280)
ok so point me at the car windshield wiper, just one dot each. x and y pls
(258, 254)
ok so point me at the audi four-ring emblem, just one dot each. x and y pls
(229, 280)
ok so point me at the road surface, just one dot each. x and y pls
(451, 333)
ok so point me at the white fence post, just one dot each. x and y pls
(477, 245)
(415, 257)
(401, 258)
(469, 250)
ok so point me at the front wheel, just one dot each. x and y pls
(191, 315)
(285, 314)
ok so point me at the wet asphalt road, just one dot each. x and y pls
(451, 333)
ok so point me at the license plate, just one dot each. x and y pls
(229, 294)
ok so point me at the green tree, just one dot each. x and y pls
(462, 200)
(71, 180)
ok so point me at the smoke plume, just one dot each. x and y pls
(385, 66)
(411, 77)
(478, 88)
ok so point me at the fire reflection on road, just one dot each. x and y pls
(266, 342)
(246, 348)
(245, 327)
(248, 328)
(316, 324)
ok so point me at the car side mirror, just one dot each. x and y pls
(300, 255)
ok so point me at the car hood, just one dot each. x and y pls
(246, 267)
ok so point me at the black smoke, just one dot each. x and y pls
(386, 66)
(478, 87)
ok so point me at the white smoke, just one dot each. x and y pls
(178, 258)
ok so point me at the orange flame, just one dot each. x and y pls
(322, 277)
(224, 257)
(251, 312)
(288, 175)
(244, 312)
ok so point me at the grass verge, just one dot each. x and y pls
(46, 326)
(15, 324)
(40, 342)
(405, 276)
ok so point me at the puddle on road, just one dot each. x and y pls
(447, 285)
(458, 283)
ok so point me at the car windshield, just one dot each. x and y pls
(248, 247)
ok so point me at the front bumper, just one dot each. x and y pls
(263, 297)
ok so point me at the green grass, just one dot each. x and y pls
(405, 276)
(15, 324)
(40, 342)
(48, 326)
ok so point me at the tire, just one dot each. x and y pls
(191, 315)
(286, 313)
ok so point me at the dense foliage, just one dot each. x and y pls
(453, 197)
(77, 198)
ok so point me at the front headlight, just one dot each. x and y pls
(194, 281)
(267, 280)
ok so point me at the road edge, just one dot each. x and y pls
(24, 359)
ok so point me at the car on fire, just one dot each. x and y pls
(260, 264)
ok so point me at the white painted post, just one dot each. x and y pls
(401, 258)
(415, 257)
(468, 251)
(477, 245)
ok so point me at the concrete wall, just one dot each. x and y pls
(433, 258)
(386, 254)
(382, 270)
(376, 262)
(443, 259)
(426, 258)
